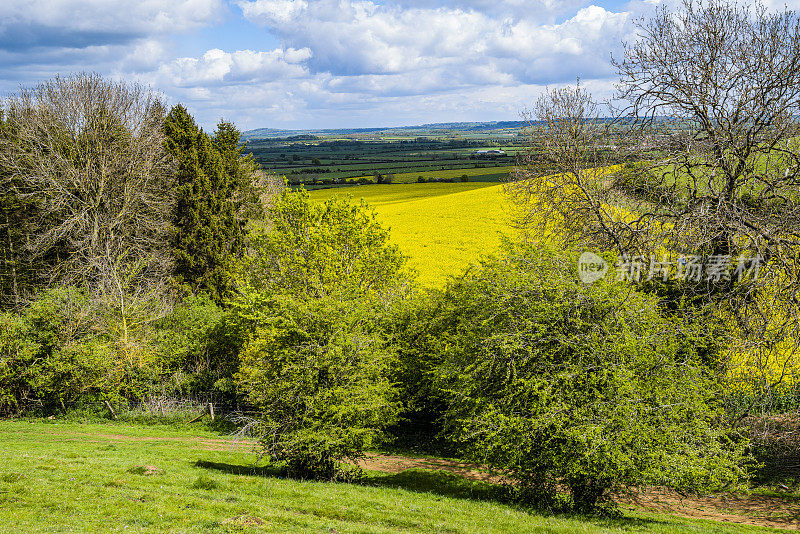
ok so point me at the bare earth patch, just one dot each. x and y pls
(244, 521)
(757, 510)
(201, 443)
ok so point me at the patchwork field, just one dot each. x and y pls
(481, 174)
(443, 227)
(58, 476)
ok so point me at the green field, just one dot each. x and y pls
(309, 159)
(441, 227)
(58, 476)
(480, 174)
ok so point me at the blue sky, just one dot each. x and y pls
(324, 63)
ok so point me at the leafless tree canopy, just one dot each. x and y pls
(719, 85)
(709, 99)
(560, 179)
(88, 154)
(706, 125)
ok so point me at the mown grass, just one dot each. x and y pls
(58, 476)
(442, 227)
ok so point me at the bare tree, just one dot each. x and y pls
(87, 154)
(706, 116)
(560, 179)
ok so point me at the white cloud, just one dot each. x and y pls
(217, 66)
(280, 11)
(117, 16)
(358, 62)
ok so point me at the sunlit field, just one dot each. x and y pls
(60, 476)
(441, 227)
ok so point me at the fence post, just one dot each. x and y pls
(111, 409)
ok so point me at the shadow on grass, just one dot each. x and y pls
(443, 484)
(245, 470)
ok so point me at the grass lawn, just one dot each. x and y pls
(441, 227)
(58, 476)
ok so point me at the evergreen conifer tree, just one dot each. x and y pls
(208, 230)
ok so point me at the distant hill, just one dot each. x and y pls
(272, 133)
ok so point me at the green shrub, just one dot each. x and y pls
(66, 350)
(317, 371)
(557, 382)
(464, 178)
(17, 352)
(193, 347)
(418, 329)
(310, 309)
(323, 249)
(53, 355)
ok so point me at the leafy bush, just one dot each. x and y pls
(67, 349)
(17, 351)
(556, 382)
(52, 355)
(323, 249)
(191, 341)
(310, 308)
(318, 373)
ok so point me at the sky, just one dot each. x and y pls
(309, 64)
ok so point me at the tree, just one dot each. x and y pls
(309, 305)
(16, 209)
(208, 228)
(317, 371)
(85, 182)
(552, 381)
(251, 189)
(706, 117)
(331, 248)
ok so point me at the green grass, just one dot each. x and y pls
(496, 174)
(443, 228)
(58, 476)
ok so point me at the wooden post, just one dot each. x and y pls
(211, 410)
(205, 411)
(111, 409)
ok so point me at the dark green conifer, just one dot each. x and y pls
(208, 231)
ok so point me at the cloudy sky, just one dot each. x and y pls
(324, 63)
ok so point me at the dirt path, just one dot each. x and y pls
(757, 510)
(201, 443)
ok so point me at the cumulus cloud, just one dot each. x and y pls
(350, 38)
(60, 36)
(217, 67)
(70, 23)
(327, 62)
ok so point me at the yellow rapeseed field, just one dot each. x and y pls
(445, 227)
(441, 227)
